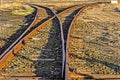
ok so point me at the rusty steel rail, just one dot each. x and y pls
(13, 48)
(25, 36)
(66, 77)
(95, 76)
(34, 32)
(66, 59)
(16, 46)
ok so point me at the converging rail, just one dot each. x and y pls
(28, 33)
(35, 26)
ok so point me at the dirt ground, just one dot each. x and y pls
(95, 41)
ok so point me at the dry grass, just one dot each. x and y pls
(23, 10)
(17, 8)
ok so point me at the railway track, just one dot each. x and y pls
(11, 49)
(56, 42)
(24, 38)
(40, 59)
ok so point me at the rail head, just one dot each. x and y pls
(67, 43)
(63, 46)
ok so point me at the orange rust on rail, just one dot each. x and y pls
(18, 47)
(7, 58)
(25, 40)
